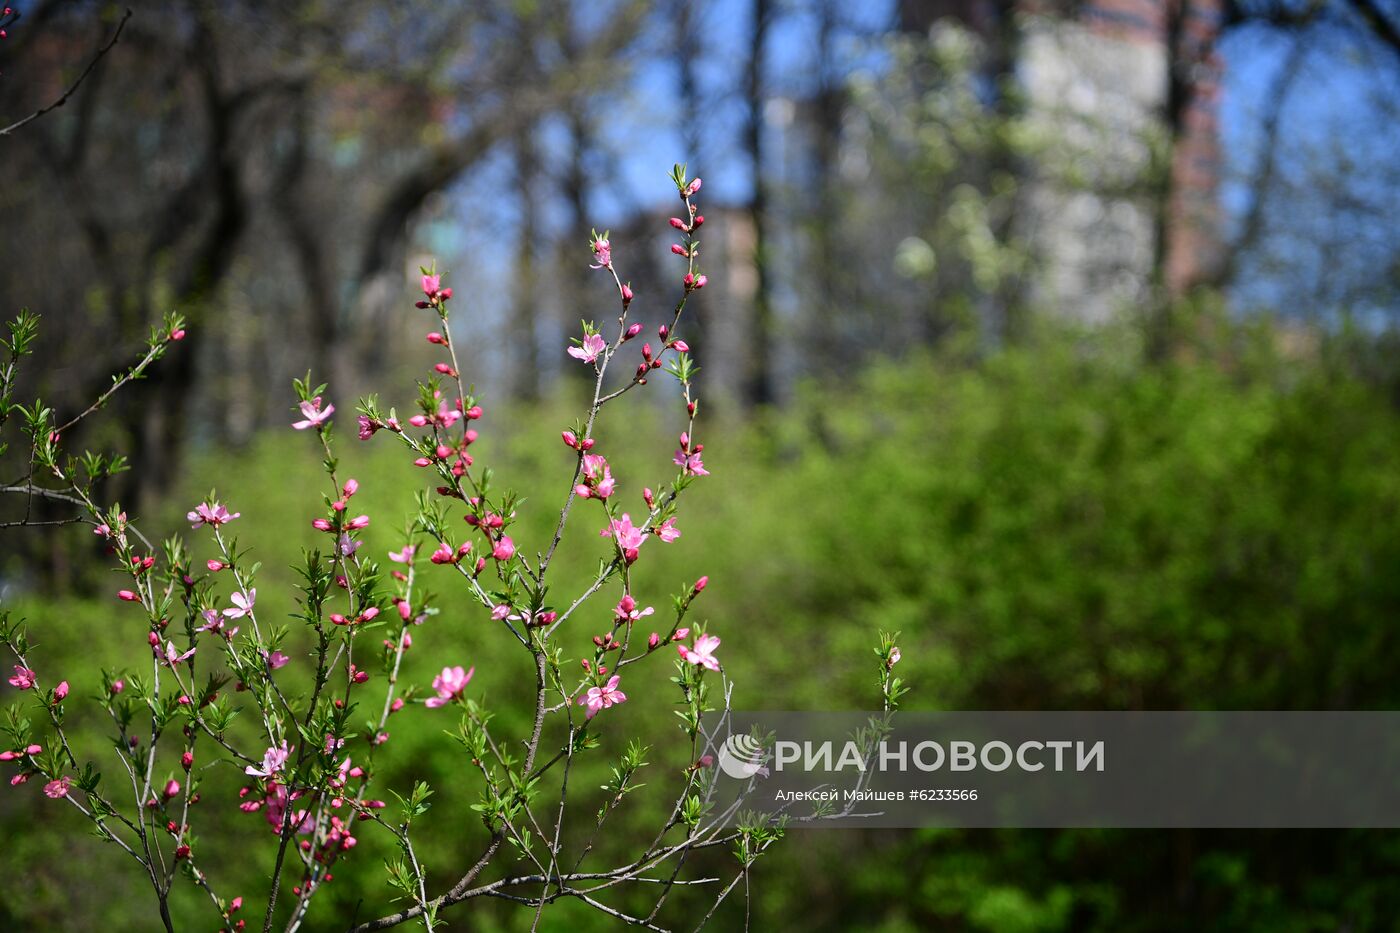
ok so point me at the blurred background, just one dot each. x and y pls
(1058, 336)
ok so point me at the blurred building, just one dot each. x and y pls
(1125, 92)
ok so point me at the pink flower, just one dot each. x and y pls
(627, 536)
(58, 788)
(602, 697)
(242, 604)
(589, 348)
(449, 686)
(405, 556)
(277, 659)
(273, 761)
(690, 463)
(431, 285)
(313, 413)
(210, 513)
(367, 427)
(173, 655)
(602, 251)
(627, 611)
(444, 554)
(23, 678)
(505, 548)
(703, 653)
(598, 478)
(60, 693)
(667, 531)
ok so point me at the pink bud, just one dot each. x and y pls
(570, 438)
(626, 294)
(700, 281)
(653, 640)
(127, 596)
(172, 788)
(693, 187)
(61, 691)
(369, 614)
(505, 549)
(350, 488)
(473, 413)
(33, 749)
(437, 338)
(633, 331)
(214, 565)
(359, 521)
(117, 687)
(701, 583)
(680, 345)
(679, 250)
(187, 760)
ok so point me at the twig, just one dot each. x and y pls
(101, 53)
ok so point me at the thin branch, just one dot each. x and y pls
(101, 53)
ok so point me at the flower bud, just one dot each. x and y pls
(633, 331)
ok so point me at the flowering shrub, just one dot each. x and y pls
(310, 775)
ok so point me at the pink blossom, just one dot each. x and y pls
(313, 413)
(242, 604)
(667, 531)
(602, 697)
(703, 653)
(23, 678)
(449, 685)
(58, 788)
(431, 285)
(504, 549)
(405, 556)
(627, 611)
(598, 478)
(589, 348)
(173, 655)
(690, 463)
(500, 611)
(444, 554)
(60, 692)
(273, 761)
(627, 536)
(367, 427)
(347, 545)
(602, 251)
(277, 659)
(212, 514)
(213, 621)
